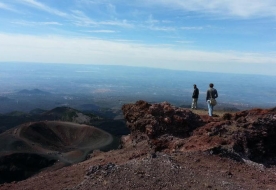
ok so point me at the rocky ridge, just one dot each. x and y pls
(242, 135)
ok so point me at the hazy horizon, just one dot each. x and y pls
(112, 86)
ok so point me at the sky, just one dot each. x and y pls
(226, 36)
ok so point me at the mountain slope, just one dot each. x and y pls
(174, 148)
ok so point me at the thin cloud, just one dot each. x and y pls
(50, 23)
(44, 7)
(7, 7)
(93, 2)
(79, 18)
(153, 24)
(225, 8)
(191, 28)
(184, 42)
(28, 23)
(101, 31)
(151, 20)
(123, 23)
(111, 9)
(93, 51)
(165, 29)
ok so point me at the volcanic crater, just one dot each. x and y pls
(30, 147)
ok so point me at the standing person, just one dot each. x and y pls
(195, 97)
(211, 93)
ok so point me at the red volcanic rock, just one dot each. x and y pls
(249, 134)
(158, 119)
(258, 138)
(158, 123)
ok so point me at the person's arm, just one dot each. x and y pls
(207, 95)
(216, 93)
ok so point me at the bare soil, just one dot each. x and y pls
(139, 168)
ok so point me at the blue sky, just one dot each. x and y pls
(231, 36)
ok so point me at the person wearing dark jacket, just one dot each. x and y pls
(211, 93)
(195, 97)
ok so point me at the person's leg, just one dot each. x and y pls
(193, 104)
(210, 108)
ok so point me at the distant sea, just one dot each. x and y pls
(126, 84)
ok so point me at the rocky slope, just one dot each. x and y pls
(174, 148)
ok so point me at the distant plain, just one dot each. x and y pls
(27, 86)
